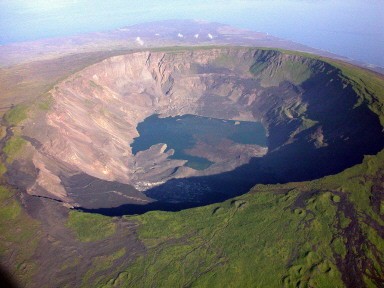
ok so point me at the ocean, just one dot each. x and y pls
(353, 28)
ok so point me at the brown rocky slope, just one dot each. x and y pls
(311, 113)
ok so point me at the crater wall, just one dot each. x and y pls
(316, 123)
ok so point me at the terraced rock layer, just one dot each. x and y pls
(317, 125)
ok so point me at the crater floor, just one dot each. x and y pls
(82, 146)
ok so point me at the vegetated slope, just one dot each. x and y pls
(320, 233)
(324, 233)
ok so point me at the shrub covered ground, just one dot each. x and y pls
(323, 233)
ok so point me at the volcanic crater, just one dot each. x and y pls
(80, 151)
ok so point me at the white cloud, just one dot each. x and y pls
(210, 36)
(180, 35)
(196, 36)
(139, 41)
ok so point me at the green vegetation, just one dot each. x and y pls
(46, 102)
(295, 71)
(272, 74)
(11, 209)
(3, 169)
(3, 132)
(16, 114)
(289, 70)
(234, 63)
(13, 147)
(367, 84)
(101, 264)
(90, 227)
(181, 49)
(277, 235)
(19, 236)
(257, 67)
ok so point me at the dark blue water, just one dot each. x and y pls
(183, 132)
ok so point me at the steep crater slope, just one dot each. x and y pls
(79, 152)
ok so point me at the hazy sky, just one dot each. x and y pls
(352, 28)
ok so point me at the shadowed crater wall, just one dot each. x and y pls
(316, 123)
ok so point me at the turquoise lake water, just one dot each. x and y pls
(183, 132)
